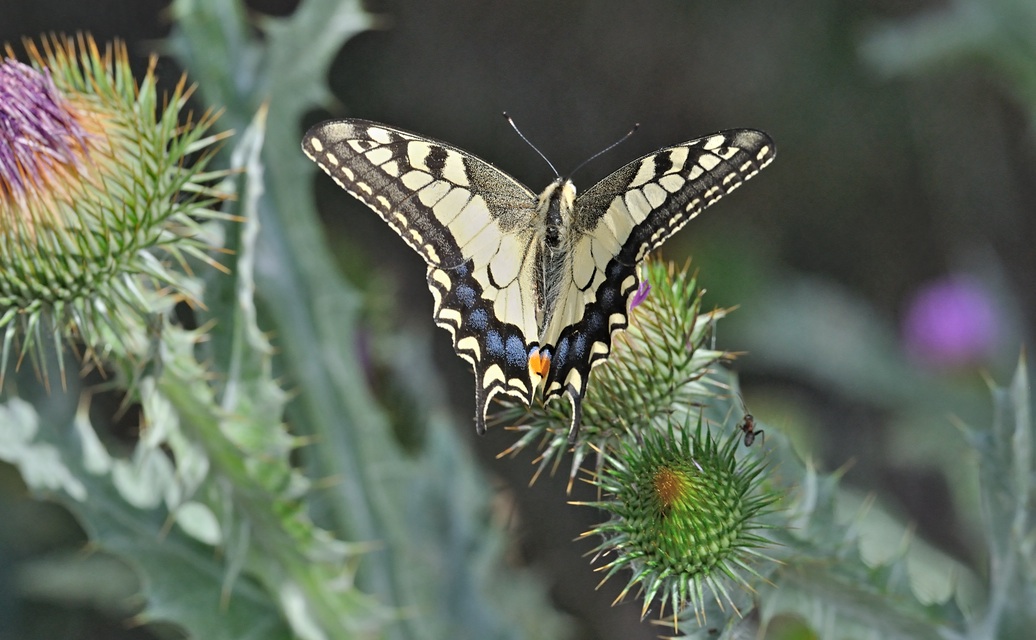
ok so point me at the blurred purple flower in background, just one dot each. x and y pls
(950, 322)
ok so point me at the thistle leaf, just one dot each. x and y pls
(1007, 475)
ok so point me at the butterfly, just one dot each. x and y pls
(531, 288)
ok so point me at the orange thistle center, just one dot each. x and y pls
(670, 486)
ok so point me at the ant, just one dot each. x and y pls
(747, 425)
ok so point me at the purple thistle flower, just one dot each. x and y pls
(641, 294)
(950, 322)
(88, 221)
(39, 133)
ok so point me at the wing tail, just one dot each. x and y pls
(575, 397)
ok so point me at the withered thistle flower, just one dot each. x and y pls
(102, 196)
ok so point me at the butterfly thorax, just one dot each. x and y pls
(554, 210)
(554, 215)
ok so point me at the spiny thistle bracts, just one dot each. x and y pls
(659, 365)
(685, 517)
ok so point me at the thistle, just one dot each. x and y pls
(685, 515)
(661, 364)
(685, 511)
(101, 199)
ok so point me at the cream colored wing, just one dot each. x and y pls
(614, 226)
(473, 225)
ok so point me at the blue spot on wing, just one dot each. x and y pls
(494, 344)
(580, 346)
(594, 321)
(516, 355)
(561, 353)
(479, 319)
(466, 295)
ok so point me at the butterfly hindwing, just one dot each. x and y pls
(470, 222)
(497, 350)
(616, 223)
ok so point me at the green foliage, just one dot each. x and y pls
(238, 527)
(210, 509)
(996, 34)
(1007, 472)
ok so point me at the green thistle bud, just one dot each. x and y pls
(660, 364)
(685, 516)
(101, 197)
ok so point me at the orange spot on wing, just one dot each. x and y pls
(539, 363)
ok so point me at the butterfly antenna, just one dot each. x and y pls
(629, 134)
(534, 147)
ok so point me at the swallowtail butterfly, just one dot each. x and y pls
(531, 288)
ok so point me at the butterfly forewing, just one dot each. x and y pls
(503, 285)
(447, 204)
(648, 200)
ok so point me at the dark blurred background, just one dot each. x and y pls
(880, 264)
